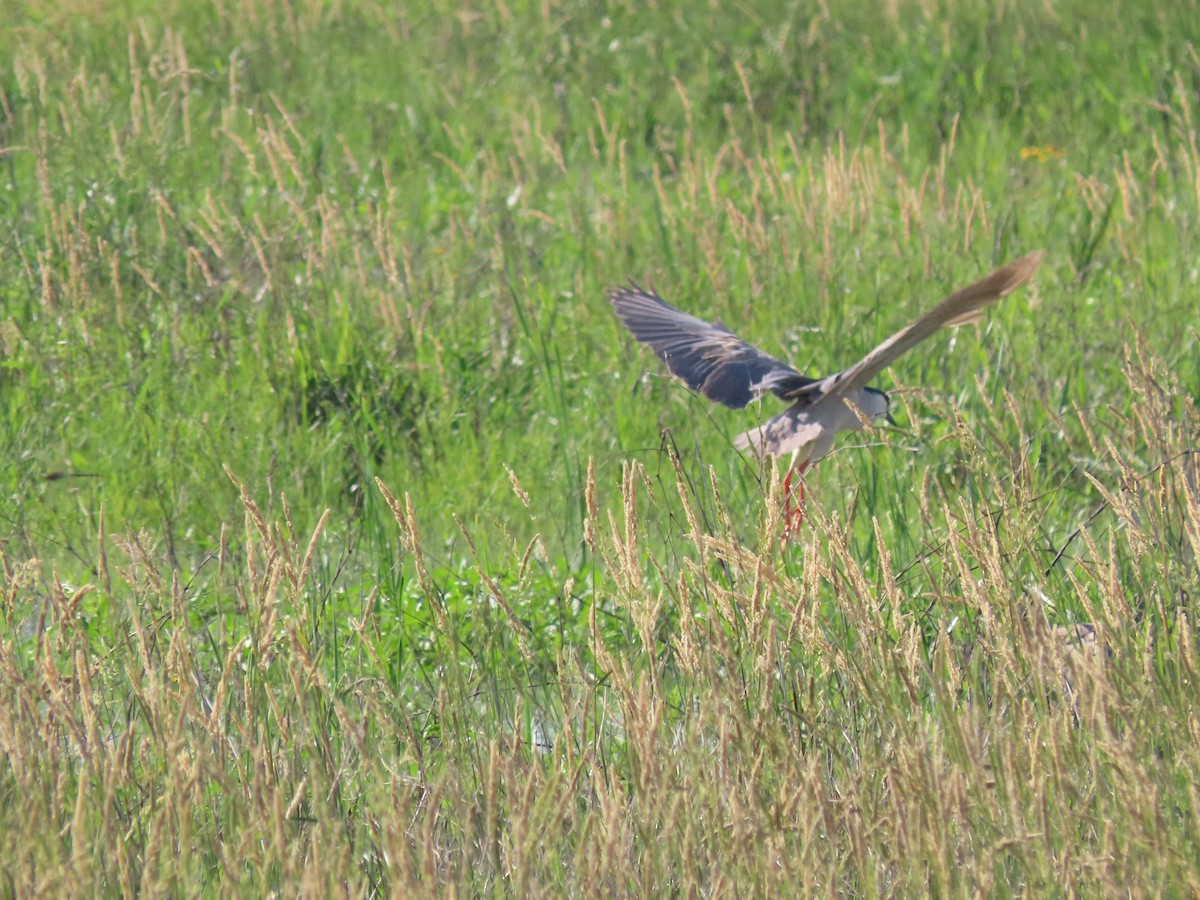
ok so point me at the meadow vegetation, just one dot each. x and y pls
(350, 547)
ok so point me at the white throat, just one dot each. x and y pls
(872, 405)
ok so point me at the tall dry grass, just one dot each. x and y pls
(813, 725)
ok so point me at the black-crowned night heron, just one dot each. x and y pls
(714, 361)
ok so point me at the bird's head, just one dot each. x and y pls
(876, 405)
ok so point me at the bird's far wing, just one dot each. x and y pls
(707, 358)
(962, 306)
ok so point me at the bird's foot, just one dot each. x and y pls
(793, 508)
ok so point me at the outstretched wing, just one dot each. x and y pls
(961, 306)
(707, 358)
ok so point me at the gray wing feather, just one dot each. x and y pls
(961, 306)
(707, 358)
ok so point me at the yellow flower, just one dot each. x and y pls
(1043, 154)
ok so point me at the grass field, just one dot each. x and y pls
(351, 547)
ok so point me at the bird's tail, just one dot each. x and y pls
(793, 431)
(755, 440)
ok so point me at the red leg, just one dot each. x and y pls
(793, 513)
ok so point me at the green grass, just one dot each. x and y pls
(350, 545)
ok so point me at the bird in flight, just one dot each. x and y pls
(711, 359)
